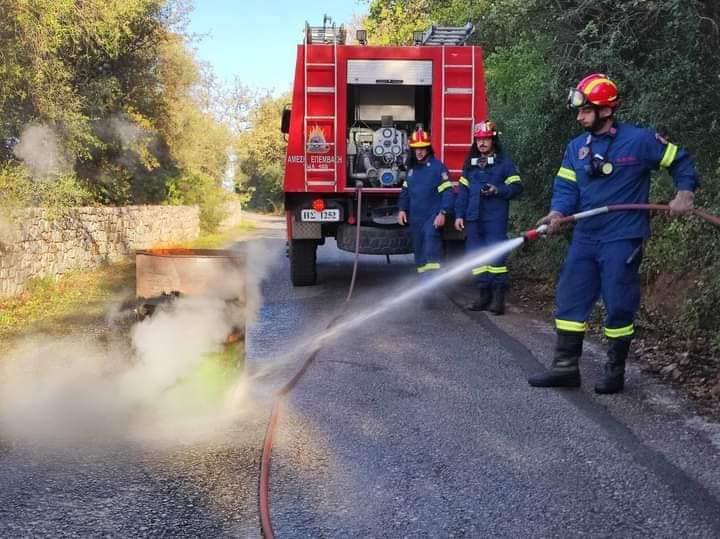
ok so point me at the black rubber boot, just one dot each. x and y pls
(614, 379)
(564, 371)
(483, 301)
(497, 305)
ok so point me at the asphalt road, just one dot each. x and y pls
(415, 423)
(420, 423)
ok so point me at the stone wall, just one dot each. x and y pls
(39, 245)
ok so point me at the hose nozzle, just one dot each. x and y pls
(536, 233)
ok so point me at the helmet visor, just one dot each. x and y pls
(576, 99)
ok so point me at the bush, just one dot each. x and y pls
(202, 190)
(18, 190)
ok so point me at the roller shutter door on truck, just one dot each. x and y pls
(405, 72)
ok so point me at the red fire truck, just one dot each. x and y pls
(353, 108)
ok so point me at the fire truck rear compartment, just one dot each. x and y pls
(380, 120)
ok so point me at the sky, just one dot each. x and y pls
(257, 40)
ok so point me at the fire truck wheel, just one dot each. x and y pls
(303, 268)
(375, 240)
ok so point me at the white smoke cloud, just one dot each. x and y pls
(169, 344)
(77, 390)
(40, 149)
(139, 386)
(258, 262)
(132, 139)
(125, 131)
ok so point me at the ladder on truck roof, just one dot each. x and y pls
(327, 34)
(458, 69)
(320, 97)
(447, 35)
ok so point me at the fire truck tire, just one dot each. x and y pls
(375, 240)
(303, 262)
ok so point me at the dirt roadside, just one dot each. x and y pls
(689, 366)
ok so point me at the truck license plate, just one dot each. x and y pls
(325, 215)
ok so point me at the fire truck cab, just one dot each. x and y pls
(353, 109)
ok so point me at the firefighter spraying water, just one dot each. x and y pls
(609, 164)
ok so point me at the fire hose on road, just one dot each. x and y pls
(461, 269)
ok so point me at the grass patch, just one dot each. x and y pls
(79, 297)
(221, 239)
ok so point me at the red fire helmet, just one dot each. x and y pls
(595, 89)
(419, 139)
(485, 129)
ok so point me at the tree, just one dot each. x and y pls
(114, 84)
(261, 153)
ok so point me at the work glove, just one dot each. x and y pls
(682, 203)
(551, 219)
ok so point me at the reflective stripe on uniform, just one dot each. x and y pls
(463, 180)
(496, 270)
(444, 185)
(569, 325)
(567, 174)
(619, 332)
(512, 179)
(430, 266)
(669, 155)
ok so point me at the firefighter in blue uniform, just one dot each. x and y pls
(489, 181)
(609, 164)
(426, 198)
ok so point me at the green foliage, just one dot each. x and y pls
(201, 189)
(392, 22)
(663, 55)
(115, 82)
(18, 190)
(261, 153)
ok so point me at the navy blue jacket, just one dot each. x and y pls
(634, 153)
(502, 174)
(426, 191)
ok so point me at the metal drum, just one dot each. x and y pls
(192, 272)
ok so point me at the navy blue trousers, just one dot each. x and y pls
(481, 234)
(427, 245)
(595, 269)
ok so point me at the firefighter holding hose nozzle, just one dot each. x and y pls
(426, 198)
(610, 163)
(489, 181)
